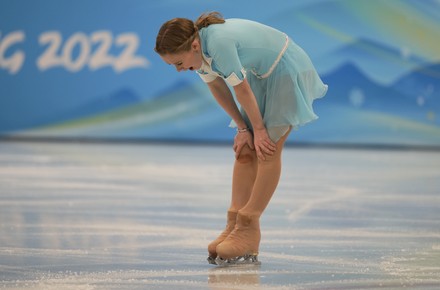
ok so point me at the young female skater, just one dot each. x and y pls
(275, 84)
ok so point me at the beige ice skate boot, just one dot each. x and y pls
(231, 219)
(242, 243)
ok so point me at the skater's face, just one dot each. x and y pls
(186, 60)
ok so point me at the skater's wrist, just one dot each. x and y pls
(243, 130)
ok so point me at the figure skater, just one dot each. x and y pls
(275, 84)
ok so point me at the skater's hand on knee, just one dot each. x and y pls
(242, 139)
(263, 144)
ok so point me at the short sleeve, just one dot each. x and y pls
(207, 77)
(226, 62)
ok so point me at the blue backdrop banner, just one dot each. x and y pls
(87, 69)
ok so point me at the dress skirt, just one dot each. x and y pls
(286, 96)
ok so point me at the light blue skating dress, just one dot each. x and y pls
(281, 75)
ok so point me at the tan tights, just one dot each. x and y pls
(253, 185)
(254, 181)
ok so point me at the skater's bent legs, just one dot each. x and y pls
(245, 171)
(245, 238)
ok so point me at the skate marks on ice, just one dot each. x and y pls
(334, 195)
(140, 217)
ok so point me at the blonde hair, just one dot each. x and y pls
(177, 35)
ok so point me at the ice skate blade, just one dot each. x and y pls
(211, 260)
(251, 260)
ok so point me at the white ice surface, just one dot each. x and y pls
(95, 216)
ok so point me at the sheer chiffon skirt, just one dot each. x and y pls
(286, 96)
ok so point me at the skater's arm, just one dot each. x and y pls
(223, 95)
(224, 98)
(263, 144)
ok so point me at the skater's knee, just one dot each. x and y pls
(273, 158)
(247, 155)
